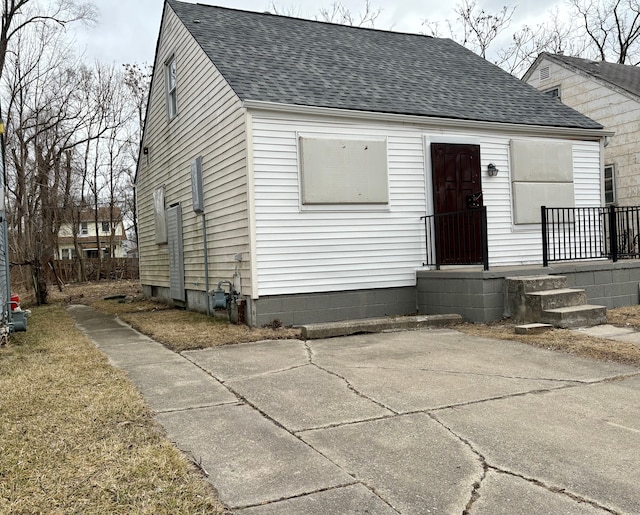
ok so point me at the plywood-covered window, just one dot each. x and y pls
(541, 175)
(343, 171)
(159, 216)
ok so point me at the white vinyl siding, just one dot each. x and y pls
(211, 124)
(302, 251)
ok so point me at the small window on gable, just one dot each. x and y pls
(84, 228)
(553, 92)
(544, 73)
(106, 227)
(172, 91)
(609, 184)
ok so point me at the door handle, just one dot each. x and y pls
(474, 201)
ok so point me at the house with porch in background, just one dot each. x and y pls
(326, 172)
(102, 239)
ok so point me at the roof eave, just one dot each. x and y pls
(452, 123)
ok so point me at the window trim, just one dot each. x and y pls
(171, 71)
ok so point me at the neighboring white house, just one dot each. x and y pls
(83, 235)
(320, 148)
(610, 94)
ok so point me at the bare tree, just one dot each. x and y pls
(474, 27)
(19, 14)
(336, 12)
(137, 80)
(612, 28)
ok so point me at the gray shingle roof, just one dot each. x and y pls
(624, 76)
(287, 60)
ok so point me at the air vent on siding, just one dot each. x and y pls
(544, 73)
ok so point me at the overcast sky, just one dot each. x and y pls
(128, 30)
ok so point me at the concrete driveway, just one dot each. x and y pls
(430, 421)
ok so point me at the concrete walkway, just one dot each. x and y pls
(428, 421)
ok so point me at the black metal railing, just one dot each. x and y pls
(570, 234)
(458, 238)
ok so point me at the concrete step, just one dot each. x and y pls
(377, 325)
(586, 315)
(539, 301)
(517, 289)
(530, 283)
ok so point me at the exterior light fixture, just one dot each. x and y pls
(492, 170)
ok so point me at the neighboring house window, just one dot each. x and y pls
(172, 93)
(609, 184)
(544, 73)
(106, 227)
(84, 228)
(553, 92)
(68, 253)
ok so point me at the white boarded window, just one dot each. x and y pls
(160, 216)
(541, 175)
(343, 171)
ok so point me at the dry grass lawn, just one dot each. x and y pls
(76, 437)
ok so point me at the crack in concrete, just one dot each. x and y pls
(477, 485)
(486, 466)
(500, 376)
(553, 489)
(350, 386)
(318, 491)
(243, 401)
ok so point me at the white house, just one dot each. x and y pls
(103, 238)
(610, 94)
(320, 148)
